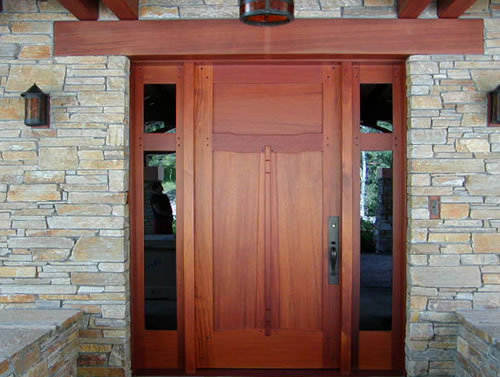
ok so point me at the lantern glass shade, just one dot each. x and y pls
(266, 12)
(36, 105)
(495, 106)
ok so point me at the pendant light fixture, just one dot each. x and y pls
(266, 12)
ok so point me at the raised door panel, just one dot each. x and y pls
(268, 109)
(299, 227)
(237, 234)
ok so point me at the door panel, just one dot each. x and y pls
(238, 284)
(267, 178)
(299, 229)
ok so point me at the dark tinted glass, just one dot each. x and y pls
(159, 108)
(159, 241)
(376, 241)
(376, 108)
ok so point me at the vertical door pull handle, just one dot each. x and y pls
(334, 250)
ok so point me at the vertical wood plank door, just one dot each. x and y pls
(267, 178)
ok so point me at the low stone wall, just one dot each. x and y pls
(39, 343)
(478, 344)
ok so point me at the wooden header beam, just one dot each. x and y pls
(302, 38)
(412, 8)
(453, 8)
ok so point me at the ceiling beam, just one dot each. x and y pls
(332, 37)
(453, 8)
(82, 9)
(412, 8)
(124, 9)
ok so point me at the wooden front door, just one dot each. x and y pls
(267, 179)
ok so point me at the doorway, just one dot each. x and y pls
(287, 237)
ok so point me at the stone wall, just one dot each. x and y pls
(63, 190)
(478, 347)
(453, 154)
(36, 343)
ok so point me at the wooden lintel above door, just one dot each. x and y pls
(302, 38)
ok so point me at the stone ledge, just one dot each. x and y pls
(29, 338)
(483, 323)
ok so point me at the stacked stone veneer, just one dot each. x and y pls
(478, 347)
(453, 154)
(63, 190)
(44, 346)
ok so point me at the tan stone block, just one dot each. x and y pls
(91, 155)
(446, 277)
(48, 77)
(20, 156)
(100, 372)
(85, 222)
(491, 278)
(40, 176)
(435, 166)
(378, 3)
(154, 11)
(99, 249)
(33, 193)
(473, 145)
(95, 198)
(486, 242)
(17, 272)
(103, 278)
(418, 302)
(31, 27)
(486, 213)
(35, 52)
(86, 308)
(16, 298)
(58, 158)
(11, 108)
(474, 120)
(50, 255)
(454, 211)
(88, 209)
(102, 99)
(483, 184)
(100, 164)
(95, 347)
(425, 102)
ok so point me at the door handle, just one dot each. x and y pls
(334, 250)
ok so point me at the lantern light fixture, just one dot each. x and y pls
(36, 107)
(494, 106)
(266, 12)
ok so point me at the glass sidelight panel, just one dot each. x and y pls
(376, 108)
(160, 241)
(376, 241)
(159, 108)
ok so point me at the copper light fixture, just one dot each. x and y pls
(266, 12)
(494, 103)
(36, 109)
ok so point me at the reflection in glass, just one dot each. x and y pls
(376, 241)
(159, 241)
(159, 108)
(376, 108)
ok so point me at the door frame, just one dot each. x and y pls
(144, 71)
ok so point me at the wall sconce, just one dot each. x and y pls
(36, 109)
(494, 106)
